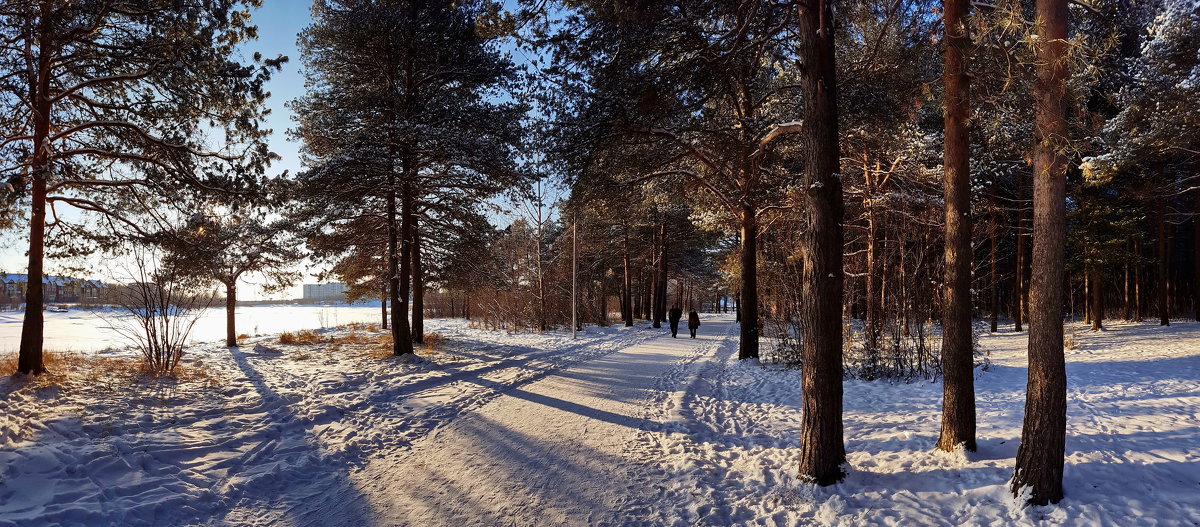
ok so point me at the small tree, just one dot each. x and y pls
(159, 307)
(220, 248)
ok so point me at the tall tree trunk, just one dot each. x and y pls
(874, 293)
(541, 282)
(1043, 433)
(1019, 266)
(822, 450)
(1096, 293)
(1087, 305)
(748, 346)
(655, 293)
(958, 375)
(401, 333)
(1164, 313)
(29, 354)
(627, 291)
(418, 286)
(383, 303)
(1196, 255)
(1125, 311)
(660, 310)
(1137, 281)
(995, 277)
(230, 309)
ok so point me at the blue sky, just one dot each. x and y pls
(278, 22)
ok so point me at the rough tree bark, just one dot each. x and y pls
(627, 291)
(1137, 281)
(29, 354)
(995, 278)
(1196, 256)
(401, 334)
(418, 287)
(822, 450)
(230, 309)
(660, 308)
(1043, 434)
(1126, 313)
(1164, 312)
(383, 303)
(1019, 303)
(958, 384)
(393, 234)
(748, 346)
(1096, 294)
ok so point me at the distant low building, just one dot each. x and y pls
(54, 288)
(331, 291)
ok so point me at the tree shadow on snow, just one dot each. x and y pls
(302, 472)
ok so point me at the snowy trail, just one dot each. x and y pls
(550, 452)
(729, 446)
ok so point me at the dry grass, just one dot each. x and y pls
(68, 369)
(307, 336)
(354, 337)
(434, 341)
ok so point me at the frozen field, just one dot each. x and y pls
(621, 427)
(84, 330)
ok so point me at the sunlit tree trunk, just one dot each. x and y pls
(1040, 455)
(29, 355)
(958, 385)
(822, 450)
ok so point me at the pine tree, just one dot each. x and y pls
(403, 104)
(1043, 434)
(90, 86)
(958, 401)
(822, 450)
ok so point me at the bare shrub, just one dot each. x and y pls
(158, 307)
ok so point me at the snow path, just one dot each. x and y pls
(729, 448)
(622, 426)
(276, 429)
(550, 452)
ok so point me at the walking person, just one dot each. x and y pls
(674, 315)
(693, 322)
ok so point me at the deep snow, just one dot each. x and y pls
(622, 427)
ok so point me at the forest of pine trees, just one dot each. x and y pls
(868, 184)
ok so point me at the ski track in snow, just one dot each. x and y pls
(621, 427)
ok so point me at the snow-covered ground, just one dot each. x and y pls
(621, 427)
(86, 330)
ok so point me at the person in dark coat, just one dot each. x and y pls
(674, 315)
(693, 322)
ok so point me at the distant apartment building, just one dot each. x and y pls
(331, 291)
(54, 288)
